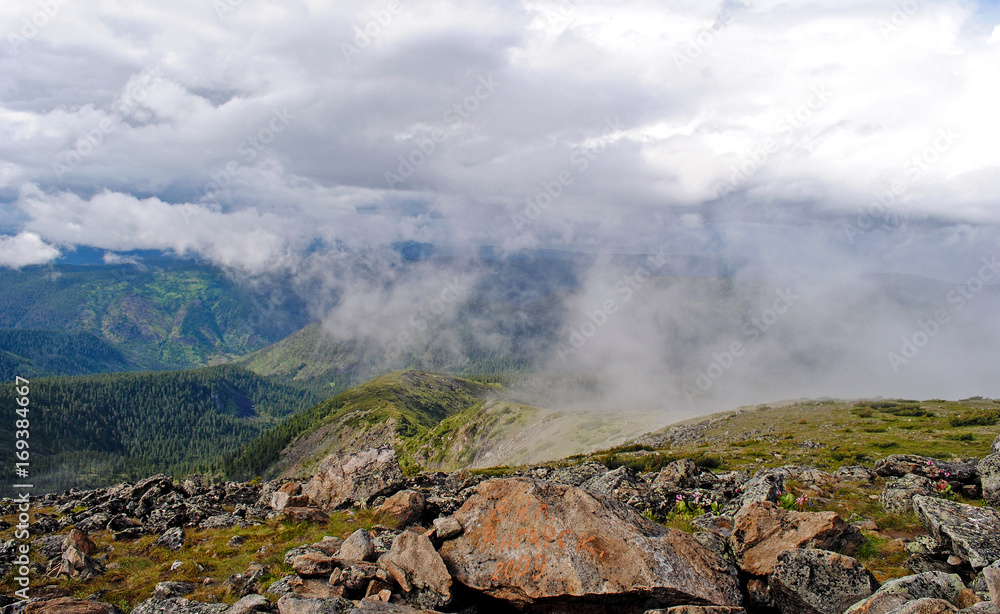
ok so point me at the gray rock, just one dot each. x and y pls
(899, 465)
(250, 604)
(172, 539)
(765, 486)
(294, 604)
(926, 606)
(983, 607)
(989, 474)
(812, 581)
(858, 473)
(177, 605)
(621, 484)
(358, 547)
(678, 475)
(166, 590)
(897, 496)
(447, 527)
(899, 592)
(359, 477)
(968, 531)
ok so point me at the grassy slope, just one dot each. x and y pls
(831, 433)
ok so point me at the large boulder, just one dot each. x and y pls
(543, 545)
(418, 568)
(763, 530)
(897, 496)
(810, 581)
(178, 605)
(897, 593)
(66, 605)
(343, 478)
(989, 474)
(296, 604)
(969, 532)
(899, 465)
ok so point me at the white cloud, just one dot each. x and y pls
(565, 69)
(25, 249)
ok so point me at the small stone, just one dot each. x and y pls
(446, 527)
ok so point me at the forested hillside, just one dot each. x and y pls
(97, 429)
(172, 315)
(37, 353)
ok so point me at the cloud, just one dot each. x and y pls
(25, 249)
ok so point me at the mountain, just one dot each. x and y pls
(435, 422)
(98, 429)
(37, 353)
(169, 315)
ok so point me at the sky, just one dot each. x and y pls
(247, 132)
(812, 143)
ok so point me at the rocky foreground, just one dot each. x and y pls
(569, 539)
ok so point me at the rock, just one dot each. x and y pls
(621, 484)
(165, 590)
(360, 477)
(415, 565)
(991, 575)
(764, 530)
(896, 593)
(995, 448)
(541, 544)
(76, 564)
(178, 605)
(983, 607)
(767, 485)
(406, 506)
(698, 609)
(313, 564)
(925, 606)
(678, 475)
(371, 606)
(94, 523)
(222, 521)
(856, 472)
(899, 465)
(280, 500)
(358, 547)
(312, 515)
(79, 540)
(968, 531)
(172, 539)
(810, 581)
(296, 604)
(251, 604)
(989, 474)
(446, 527)
(66, 605)
(312, 588)
(897, 496)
